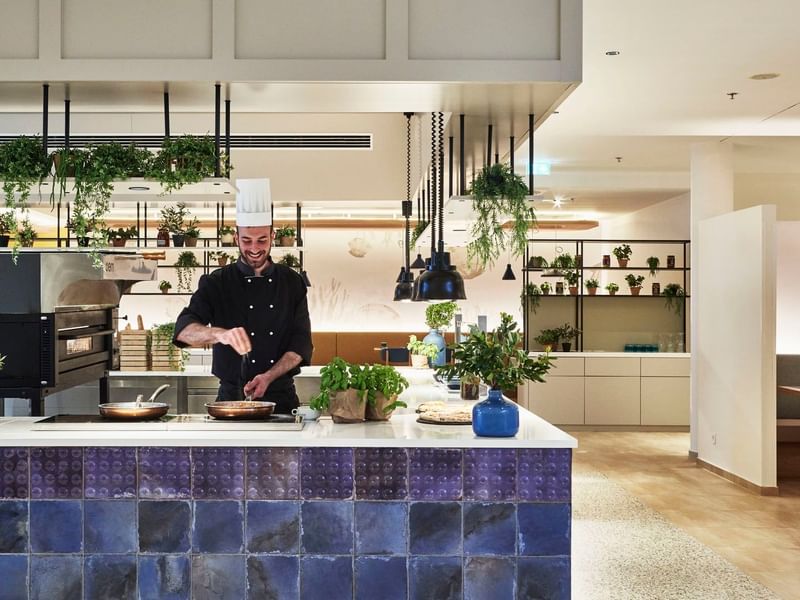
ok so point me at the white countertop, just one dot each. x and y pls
(617, 354)
(402, 431)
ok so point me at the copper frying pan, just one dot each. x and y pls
(136, 411)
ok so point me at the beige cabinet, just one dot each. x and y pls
(665, 401)
(613, 366)
(558, 400)
(612, 400)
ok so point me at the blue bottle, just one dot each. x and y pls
(495, 416)
(436, 338)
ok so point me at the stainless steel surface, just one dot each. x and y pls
(247, 409)
(133, 411)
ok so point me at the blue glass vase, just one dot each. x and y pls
(436, 338)
(495, 416)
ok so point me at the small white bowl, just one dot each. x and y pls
(308, 413)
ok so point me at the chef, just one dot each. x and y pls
(253, 311)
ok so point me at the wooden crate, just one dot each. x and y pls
(164, 356)
(133, 352)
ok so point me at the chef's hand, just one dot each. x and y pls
(257, 386)
(236, 338)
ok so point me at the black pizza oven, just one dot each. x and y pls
(58, 316)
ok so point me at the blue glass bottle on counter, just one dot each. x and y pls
(436, 338)
(495, 416)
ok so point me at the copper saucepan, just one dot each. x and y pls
(241, 409)
(135, 411)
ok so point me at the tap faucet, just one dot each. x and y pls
(158, 392)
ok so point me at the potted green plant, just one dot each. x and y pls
(674, 297)
(8, 223)
(184, 267)
(23, 162)
(623, 254)
(497, 194)
(191, 232)
(342, 392)
(387, 384)
(120, 236)
(572, 278)
(161, 341)
(612, 289)
(290, 260)
(652, 263)
(420, 352)
(537, 263)
(184, 159)
(165, 286)
(548, 339)
(172, 220)
(27, 234)
(498, 359)
(531, 294)
(226, 235)
(221, 257)
(438, 317)
(545, 287)
(566, 333)
(634, 283)
(561, 263)
(591, 286)
(285, 236)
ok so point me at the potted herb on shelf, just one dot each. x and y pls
(548, 339)
(545, 287)
(8, 223)
(172, 220)
(591, 286)
(437, 317)
(623, 254)
(120, 236)
(27, 235)
(652, 263)
(290, 260)
(531, 295)
(497, 194)
(387, 385)
(420, 352)
(165, 286)
(226, 233)
(221, 257)
(612, 289)
(191, 232)
(562, 262)
(184, 266)
(285, 236)
(634, 283)
(536, 263)
(572, 278)
(498, 359)
(674, 297)
(566, 333)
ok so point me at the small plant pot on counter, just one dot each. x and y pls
(635, 290)
(592, 291)
(418, 361)
(377, 411)
(622, 262)
(347, 407)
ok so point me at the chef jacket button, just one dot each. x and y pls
(272, 306)
(249, 280)
(252, 333)
(271, 332)
(270, 280)
(251, 307)
(272, 361)
(253, 361)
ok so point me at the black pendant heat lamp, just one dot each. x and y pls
(419, 262)
(509, 274)
(405, 281)
(441, 281)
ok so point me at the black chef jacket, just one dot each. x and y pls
(271, 307)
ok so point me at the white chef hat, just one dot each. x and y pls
(253, 203)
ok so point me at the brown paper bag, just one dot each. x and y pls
(375, 412)
(347, 407)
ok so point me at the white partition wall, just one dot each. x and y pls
(734, 348)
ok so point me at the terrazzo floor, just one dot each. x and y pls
(647, 523)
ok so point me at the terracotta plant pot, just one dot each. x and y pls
(191, 242)
(546, 292)
(635, 290)
(418, 361)
(622, 262)
(347, 407)
(548, 347)
(118, 242)
(592, 291)
(286, 241)
(573, 290)
(612, 293)
(222, 261)
(26, 244)
(470, 391)
(376, 412)
(164, 290)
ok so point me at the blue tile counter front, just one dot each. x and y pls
(285, 523)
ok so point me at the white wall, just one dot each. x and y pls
(788, 288)
(734, 349)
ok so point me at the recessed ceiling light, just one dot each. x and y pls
(763, 76)
(612, 52)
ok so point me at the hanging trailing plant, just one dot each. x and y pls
(184, 266)
(23, 162)
(652, 264)
(533, 295)
(674, 297)
(184, 159)
(497, 195)
(290, 260)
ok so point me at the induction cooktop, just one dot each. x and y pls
(194, 422)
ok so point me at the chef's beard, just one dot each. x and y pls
(256, 264)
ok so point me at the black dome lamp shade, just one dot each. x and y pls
(404, 289)
(441, 280)
(419, 262)
(509, 274)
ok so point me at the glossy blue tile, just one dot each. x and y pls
(544, 529)
(216, 576)
(218, 473)
(13, 526)
(164, 526)
(326, 578)
(381, 527)
(545, 475)
(273, 527)
(435, 577)
(326, 473)
(273, 578)
(56, 473)
(164, 577)
(218, 527)
(109, 576)
(109, 473)
(543, 578)
(164, 473)
(57, 577)
(381, 473)
(490, 529)
(14, 473)
(490, 474)
(273, 473)
(56, 526)
(14, 575)
(435, 528)
(381, 577)
(435, 473)
(326, 527)
(489, 578)
(110, 526)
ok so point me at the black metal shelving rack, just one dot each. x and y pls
(578, 245)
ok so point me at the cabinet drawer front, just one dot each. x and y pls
(564, 366)
(612, 401)
(665, 367)
(559, 400)
(665, 401)
(612, 367)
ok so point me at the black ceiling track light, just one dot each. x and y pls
(440, 281)
(509, 273)
(405, 281)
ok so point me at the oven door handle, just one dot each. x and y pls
(83, 333)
